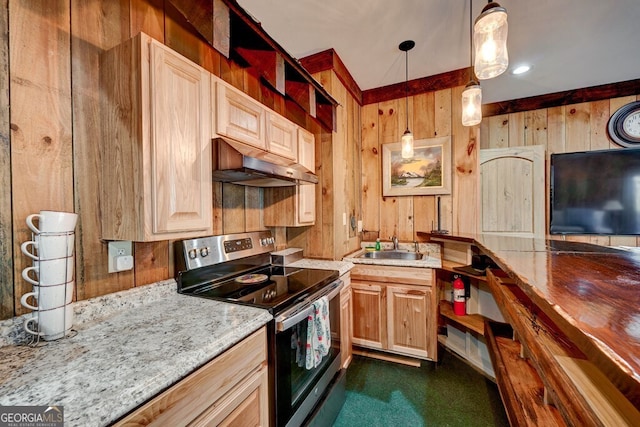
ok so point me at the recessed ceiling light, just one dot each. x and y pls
(521, 69)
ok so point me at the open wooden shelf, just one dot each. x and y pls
(516, 378)
(449, 266)
(473, 322)
(582, 394)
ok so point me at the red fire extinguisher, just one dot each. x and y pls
(459, 300)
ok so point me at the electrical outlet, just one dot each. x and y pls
(120, 256)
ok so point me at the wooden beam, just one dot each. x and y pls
(300, 93)
(594, 93)
(199, 14)
(226, 22)
(251, 28)
(415, 87)
(268, 63)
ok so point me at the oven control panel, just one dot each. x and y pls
(206, 251)
(237, 245)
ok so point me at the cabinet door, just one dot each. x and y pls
(409, 314)
(240, 117)
(369, 315)
(346, 322)
(307, 150)
(180, 143)
(306, 194)
(246, 405)
(282, 137)
(512, 191)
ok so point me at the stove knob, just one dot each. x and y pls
(204, 252)
(193, 253)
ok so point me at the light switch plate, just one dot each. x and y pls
(118, 250)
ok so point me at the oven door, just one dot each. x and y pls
(299, 389)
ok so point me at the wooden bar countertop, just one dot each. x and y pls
(591, 292)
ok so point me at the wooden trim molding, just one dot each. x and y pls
(329, 60)
(593, 93)
(426, 84)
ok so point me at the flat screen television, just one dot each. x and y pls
(596, 192)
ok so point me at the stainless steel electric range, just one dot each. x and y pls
(237, 268)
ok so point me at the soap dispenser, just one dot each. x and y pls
(378, 244)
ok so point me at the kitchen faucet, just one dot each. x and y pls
(394, 239)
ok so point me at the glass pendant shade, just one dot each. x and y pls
(407, 144)
(490, 42)
(472, 104)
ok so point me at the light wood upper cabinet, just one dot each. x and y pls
(307, 150)
(306, 204)
(294, 206)
(290, 206)
(156, 137)
(239, 116)
(282, 137)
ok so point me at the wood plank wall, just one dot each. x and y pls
(569, 128)
(339, 171)
(49, 132)
(431, 114)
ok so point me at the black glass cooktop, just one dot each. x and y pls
(271, 287)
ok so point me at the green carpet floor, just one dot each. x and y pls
(447, 394)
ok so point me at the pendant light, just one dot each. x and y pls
(490, 41)
(407, 137)
(472, 94)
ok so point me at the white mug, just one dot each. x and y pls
(49, 246)
(50, 272)
(53, 222)
(49, 297)
(52, 324)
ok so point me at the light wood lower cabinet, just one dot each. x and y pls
(231, 390)
(369, 314)
(346, 321)
(394, 310)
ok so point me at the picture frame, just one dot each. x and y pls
(427, 173)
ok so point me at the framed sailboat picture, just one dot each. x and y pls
(427, 173)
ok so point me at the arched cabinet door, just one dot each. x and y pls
(512, 191)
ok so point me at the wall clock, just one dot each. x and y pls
(624, 125)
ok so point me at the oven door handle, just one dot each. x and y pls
(296, 314)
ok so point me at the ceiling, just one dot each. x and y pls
(569, 44)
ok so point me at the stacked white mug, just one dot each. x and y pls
(52, 274)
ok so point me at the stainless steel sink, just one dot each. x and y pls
(412, 256)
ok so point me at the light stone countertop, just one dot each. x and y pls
(129, 346)
(341, 266)
(432, 258)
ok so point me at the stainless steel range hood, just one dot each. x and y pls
(237, 163)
